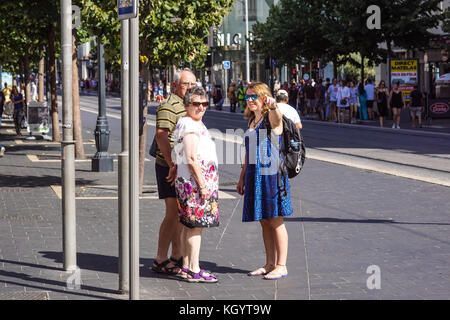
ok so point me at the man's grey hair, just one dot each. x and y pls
(195, 91)
(177, 74)
(282, 95)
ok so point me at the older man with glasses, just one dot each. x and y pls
(167, 116)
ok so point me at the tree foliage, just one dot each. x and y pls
(170, 32)
(332, 30)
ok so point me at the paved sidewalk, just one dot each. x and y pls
(338, 230)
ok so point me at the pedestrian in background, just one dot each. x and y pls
(2, 103)
(155, 91)
(17, 99)
(382, 97)
(343, 98)
(396, 103)
(263, 201)
(232, 97)
(310, 99)
(167, 116)
(218, 97)
(287, 110)
(8, 108)
(197, 183)
(241, 96)
(370, 91)
(33, 90)
(362, 99)
(321, 96)
(293, 94)
(353, 102)
(416, 106)
(332, 95)
(301, 98)
(2, 150)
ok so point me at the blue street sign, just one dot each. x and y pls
(226, 64)
(127, 9)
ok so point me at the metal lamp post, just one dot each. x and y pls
(247, 44)
(102, 161)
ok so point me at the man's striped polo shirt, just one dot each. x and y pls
(167, 116)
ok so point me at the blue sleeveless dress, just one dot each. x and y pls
(262, 199)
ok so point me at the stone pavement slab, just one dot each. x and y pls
(345, 220)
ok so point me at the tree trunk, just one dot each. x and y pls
(77, 126)
(143, 136)
(41, 78)
(54, 110)
(335, 69)
(26, 72)
(362, 69)
(388, 63)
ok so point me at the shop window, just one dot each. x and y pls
(440, 80)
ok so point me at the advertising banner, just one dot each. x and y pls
(406, 73)
(38, 117)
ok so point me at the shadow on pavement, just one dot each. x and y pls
(35, 181)
(299, 219)
(27, 278)
(103, 263)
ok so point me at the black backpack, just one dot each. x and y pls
(292, 150)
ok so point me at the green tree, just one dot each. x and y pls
(331, 30)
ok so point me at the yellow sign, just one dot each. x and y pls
(403, 65)
(405, 72)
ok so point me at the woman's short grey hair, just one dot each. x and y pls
(195, 91)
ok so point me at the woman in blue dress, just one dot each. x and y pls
(258, 182)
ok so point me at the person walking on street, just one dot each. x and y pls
(396, 103)
(8, 107)
(416, 106)
(321, 105)
(2, 150)
(232, 97)
(287, 110)
(343, 100)
(362, 99)
(332, 95)
(167, 115)
(382, 97)
(17, 99)
(197, 183)
(263, 201)
(241, 95)
(2, 104)
(353, 102)
(370, 91)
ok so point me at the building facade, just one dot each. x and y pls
(228, 44)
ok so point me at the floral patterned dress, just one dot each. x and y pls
(193, 211)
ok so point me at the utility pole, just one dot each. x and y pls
(134, 156)
(67, 144)
(247, 44)
(124, 203)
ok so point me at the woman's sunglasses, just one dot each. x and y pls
(253, 97)
(198, 104)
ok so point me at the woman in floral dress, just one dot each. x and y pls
(197, 183)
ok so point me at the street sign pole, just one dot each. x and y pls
(68, 145)
(124, 203)
(134, 156)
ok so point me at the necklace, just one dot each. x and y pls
(255, 123)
